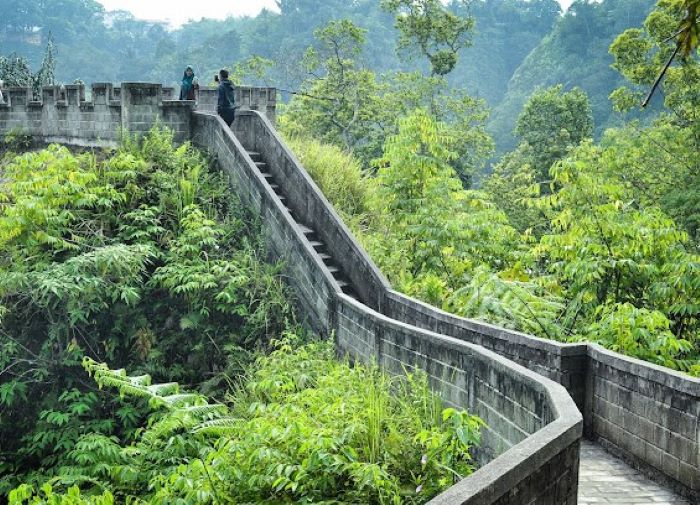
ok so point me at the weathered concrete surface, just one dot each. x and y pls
(604, 479)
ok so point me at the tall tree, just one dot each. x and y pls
(428, 26)
(552, 122)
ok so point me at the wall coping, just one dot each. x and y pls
(506, 334)
(650, 371)
(497, 477)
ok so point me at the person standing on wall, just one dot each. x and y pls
(225, 104)
(189, 85)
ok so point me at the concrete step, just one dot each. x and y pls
(267, 175)
(261, 165)
(317, 245)
(306, 230)
(347, 289)
(255, 156)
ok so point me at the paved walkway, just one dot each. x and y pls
(606, 479)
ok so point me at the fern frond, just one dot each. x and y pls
(217, 426)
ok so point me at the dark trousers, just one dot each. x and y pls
(227, 115)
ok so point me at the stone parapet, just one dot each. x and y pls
(63, 115)
(530, 449)
(645, 413)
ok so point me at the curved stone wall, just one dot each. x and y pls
(646, 414)
(530, 449)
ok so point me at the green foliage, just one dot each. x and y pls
(339, 176)
(640, 54)
(573, 53)
(606, 251)
(428, 234)
(15, 70)
(435, 31)
(302, 428)
(551, 123)
(16, 140)
(101, 253)
(689, 39)
(45, 495)
(512, 184)
(353, 108)
(341, 103)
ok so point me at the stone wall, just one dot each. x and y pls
(530, 449)
(655, 424)
(314, 287)
(646, 415)
(312, 208)
(63, 115)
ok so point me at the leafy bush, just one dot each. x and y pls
(140, 257)
(17, 140)
(336, 173)
(304, 428)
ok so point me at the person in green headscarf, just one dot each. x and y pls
(189, 85)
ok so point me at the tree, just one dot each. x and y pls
(613, 259)
(552, 122)
(673, 138)
(15, 71)
(46, 74)
(430, 234)
(340, 103)
(437, 33)
(574, 53)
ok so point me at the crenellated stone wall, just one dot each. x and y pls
(63, 114)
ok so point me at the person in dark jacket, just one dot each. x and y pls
(225, 104)
(189, 85)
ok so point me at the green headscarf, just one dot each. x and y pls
(186, 84)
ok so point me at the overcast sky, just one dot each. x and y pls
(177, 12)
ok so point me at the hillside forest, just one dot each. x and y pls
(493, 158)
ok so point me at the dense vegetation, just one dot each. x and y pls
(142, 258)
(567, 239)
(123, 257)
(304, 428)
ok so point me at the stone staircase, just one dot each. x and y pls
(311, 235)
(598, 482)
